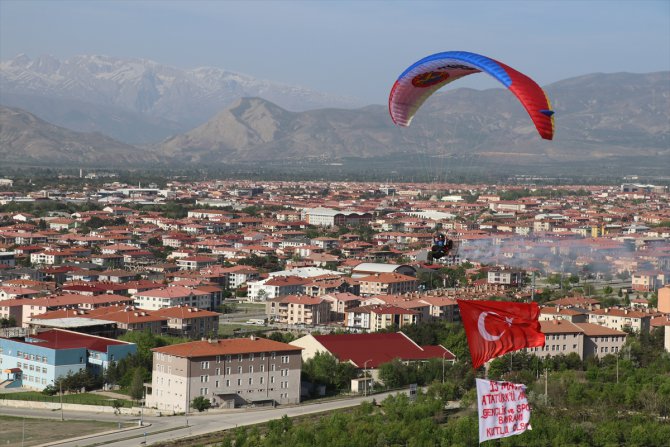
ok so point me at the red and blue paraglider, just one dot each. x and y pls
(428, 75)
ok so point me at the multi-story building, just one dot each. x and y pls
(511, 278)
(172, 297)
(49, 257)
(387, 284)
(8, 258)
(327, 217)
(230, 373)
(340, 303)
(195, 262)
(380, 316)
(621, 319)
(275, 287)
(563, 337)
(298, 309)
(190, 322)
(24, 309)
(37, 361)
(442, 308)
(649, 281)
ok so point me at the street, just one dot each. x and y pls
(169, 428)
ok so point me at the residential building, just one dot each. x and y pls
(340, 303)
(387, 284)
(511, 278)
(298, 309)
(191, 322)
(275, 287)
(230, 373)
(380, 316)
(621, 319)
(584, 339)
(649, 281)
(172, 297)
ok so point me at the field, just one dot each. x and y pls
(81, 398)
(30, 431)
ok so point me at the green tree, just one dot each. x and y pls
(137, 385)
(201, 403)
(324, 368)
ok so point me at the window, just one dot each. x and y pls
(204, 379)
(228, 370)
(251, 369)
(239, 382)
(273, 355)
(251, 356)
(218, 371)
(251, 380)
(239, 358)
(262, 380)
(263, 367)
(239, 370)
(218, 359)
(227, 382)
(204, 365)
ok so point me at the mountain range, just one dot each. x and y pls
(137, 100)
(618, 119)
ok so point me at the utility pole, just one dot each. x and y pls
(617, 367)
(60, 383)
(365, 384)
(546, 380)
(142, 410)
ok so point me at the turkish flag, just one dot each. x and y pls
(494, 328)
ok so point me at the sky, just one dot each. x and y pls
(352, 48)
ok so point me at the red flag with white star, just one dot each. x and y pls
(494, 328)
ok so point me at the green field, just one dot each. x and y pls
(31, 431)
(81, 398)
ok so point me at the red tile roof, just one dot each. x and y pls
(224, 347)
(61, 339)
(379, 348)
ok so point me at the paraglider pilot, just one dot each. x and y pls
(441, 247)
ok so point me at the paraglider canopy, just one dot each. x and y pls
(425, 77)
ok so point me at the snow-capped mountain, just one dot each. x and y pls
(182, 98)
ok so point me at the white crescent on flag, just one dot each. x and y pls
(481, 326)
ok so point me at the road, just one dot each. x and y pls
(164, 429)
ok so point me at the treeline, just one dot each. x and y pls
(397, 421)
